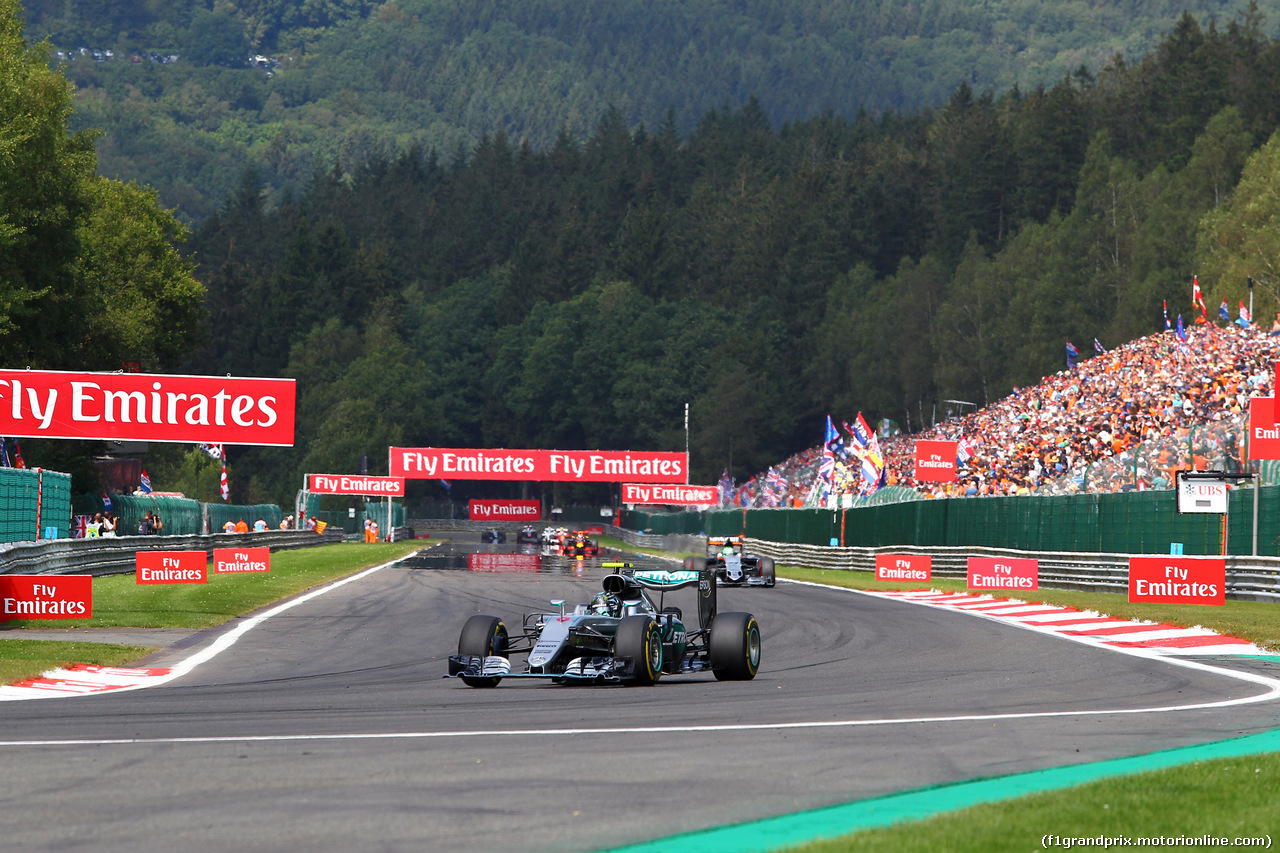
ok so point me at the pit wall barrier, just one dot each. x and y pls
(116, 555)
(1116, 523)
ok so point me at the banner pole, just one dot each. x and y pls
(1257, 487)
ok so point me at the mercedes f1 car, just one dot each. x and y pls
(493, 537)
(528, 535)
(731, 566)
(621, 636)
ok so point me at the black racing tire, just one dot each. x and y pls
(734, 647)
(767, 571)
(639, 639)
(483, 636)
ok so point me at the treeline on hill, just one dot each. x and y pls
(578, 297)
(349, 81)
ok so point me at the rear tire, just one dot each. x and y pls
(767, 571)
(734, 647)
(639, 639)
(483, 636)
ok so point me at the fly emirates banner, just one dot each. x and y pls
(146, 407)
(585, 466)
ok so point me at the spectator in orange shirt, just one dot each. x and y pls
(241, 526)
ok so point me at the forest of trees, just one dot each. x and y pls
(580, 294)
(359, 79)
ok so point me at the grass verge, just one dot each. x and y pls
(1256, 621)
(119, 602)
(1225, 798)
(23, 659)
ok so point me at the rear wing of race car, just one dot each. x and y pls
(627, 576)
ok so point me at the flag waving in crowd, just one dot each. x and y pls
(1197, 299)
(1245, 318)
(1224, 312)
(1098, 347)
(1072, 355)
(145, 485)
(1165, 304)
(223, 486)
(827, 468)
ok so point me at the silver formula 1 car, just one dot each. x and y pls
(621, 636)
(728, 561)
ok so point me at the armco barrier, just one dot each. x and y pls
(1248, 578)
(113, 555)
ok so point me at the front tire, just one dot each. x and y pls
(482, 637)
(639, 639)
(767, 571)
(734, 647)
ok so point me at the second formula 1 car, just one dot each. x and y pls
(732, 566)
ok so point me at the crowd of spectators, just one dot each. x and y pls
(1126, 419)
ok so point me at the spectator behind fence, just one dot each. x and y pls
(241, 526)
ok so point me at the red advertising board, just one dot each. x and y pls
(503, 562)
(1178, 580)
(146, 407)
(46, 597)
(505, 510)
(1264, 432)
(1006, 573)
(156, 567)
(936, 461)
(587, 466)
(672, 495)
(355, 484)
(904, 567)
(236, 560)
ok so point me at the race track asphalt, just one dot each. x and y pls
(328, 727)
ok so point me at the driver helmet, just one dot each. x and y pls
(605, 604)
(727, 550)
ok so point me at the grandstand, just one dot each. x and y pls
(1125, 420)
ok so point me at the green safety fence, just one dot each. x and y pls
(1120, 522)
(181, 516)
(377, 510)
(220, 514)
(34, 502)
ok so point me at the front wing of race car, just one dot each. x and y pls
(597, 669)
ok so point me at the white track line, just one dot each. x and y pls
(94, 681)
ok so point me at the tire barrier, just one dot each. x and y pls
(114, 555)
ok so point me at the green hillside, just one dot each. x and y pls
(344, 81)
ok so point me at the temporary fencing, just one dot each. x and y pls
(34, 503)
